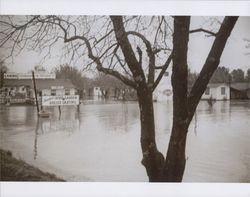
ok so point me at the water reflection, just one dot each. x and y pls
(102, 142)
(46, 126)
(36, 136)
(112, 117)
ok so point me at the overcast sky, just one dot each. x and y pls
(234, 55)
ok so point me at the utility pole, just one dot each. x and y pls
(34, 83)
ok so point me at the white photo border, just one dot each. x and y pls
(122, 7)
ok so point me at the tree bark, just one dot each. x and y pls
(152, 160)
(184, 107)
(172, 169)
(175, 159)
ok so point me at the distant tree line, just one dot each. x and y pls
(84, 83)
(3, 69)
(222, 75)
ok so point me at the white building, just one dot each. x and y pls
(217, 91)
(97, 92)
(19, 87)
(164, 90)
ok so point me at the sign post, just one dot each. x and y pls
(34, 83)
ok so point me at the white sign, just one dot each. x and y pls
(57, 87)
(60, 100)
(29, 76)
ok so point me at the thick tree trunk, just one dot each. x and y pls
(175, 159)
(171, 169)
(153, 160)
(184, 107)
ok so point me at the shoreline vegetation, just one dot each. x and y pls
(13, 169)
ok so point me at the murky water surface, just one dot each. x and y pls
(102, 142)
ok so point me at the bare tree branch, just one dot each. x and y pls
(97, 59)
(211, 64)
(151, 55)
(127, 50)
(119, 76)
(164, 68)
(203, 30)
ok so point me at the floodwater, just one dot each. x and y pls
(102, 142)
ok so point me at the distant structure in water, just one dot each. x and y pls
(226, 91)
(240, 90)
(164, 90)
(18, 87)
(217, 91)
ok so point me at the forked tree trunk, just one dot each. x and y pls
(172, 168)
(175, 159)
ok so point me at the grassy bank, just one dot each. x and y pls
(13, 169)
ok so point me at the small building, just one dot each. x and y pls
(217, 91)
(94, 93)
(164, 90)
(240, 90)
(22, 90)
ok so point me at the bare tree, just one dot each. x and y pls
(131, 49)
(184, 104)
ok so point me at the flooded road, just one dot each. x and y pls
(102, 142)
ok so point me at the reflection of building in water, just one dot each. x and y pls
(67, 126)
(36, 136)
(18, 87)
(47, 126)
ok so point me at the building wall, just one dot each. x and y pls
(215, 92)
(72, 91)
(22, 90)
(46, 92)
(97, 91)
(15, 90)
(58, 92)
(164, 90)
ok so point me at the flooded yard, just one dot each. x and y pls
(102, 142)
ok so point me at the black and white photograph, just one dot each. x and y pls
(125, 98)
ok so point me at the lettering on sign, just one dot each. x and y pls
(29, 76)
(57, 87)
(60, 100)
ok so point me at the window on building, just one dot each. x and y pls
(207, 92)
(223, 90)
(166, 74)
(23, 88)
(53, 92)
(67, 91)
